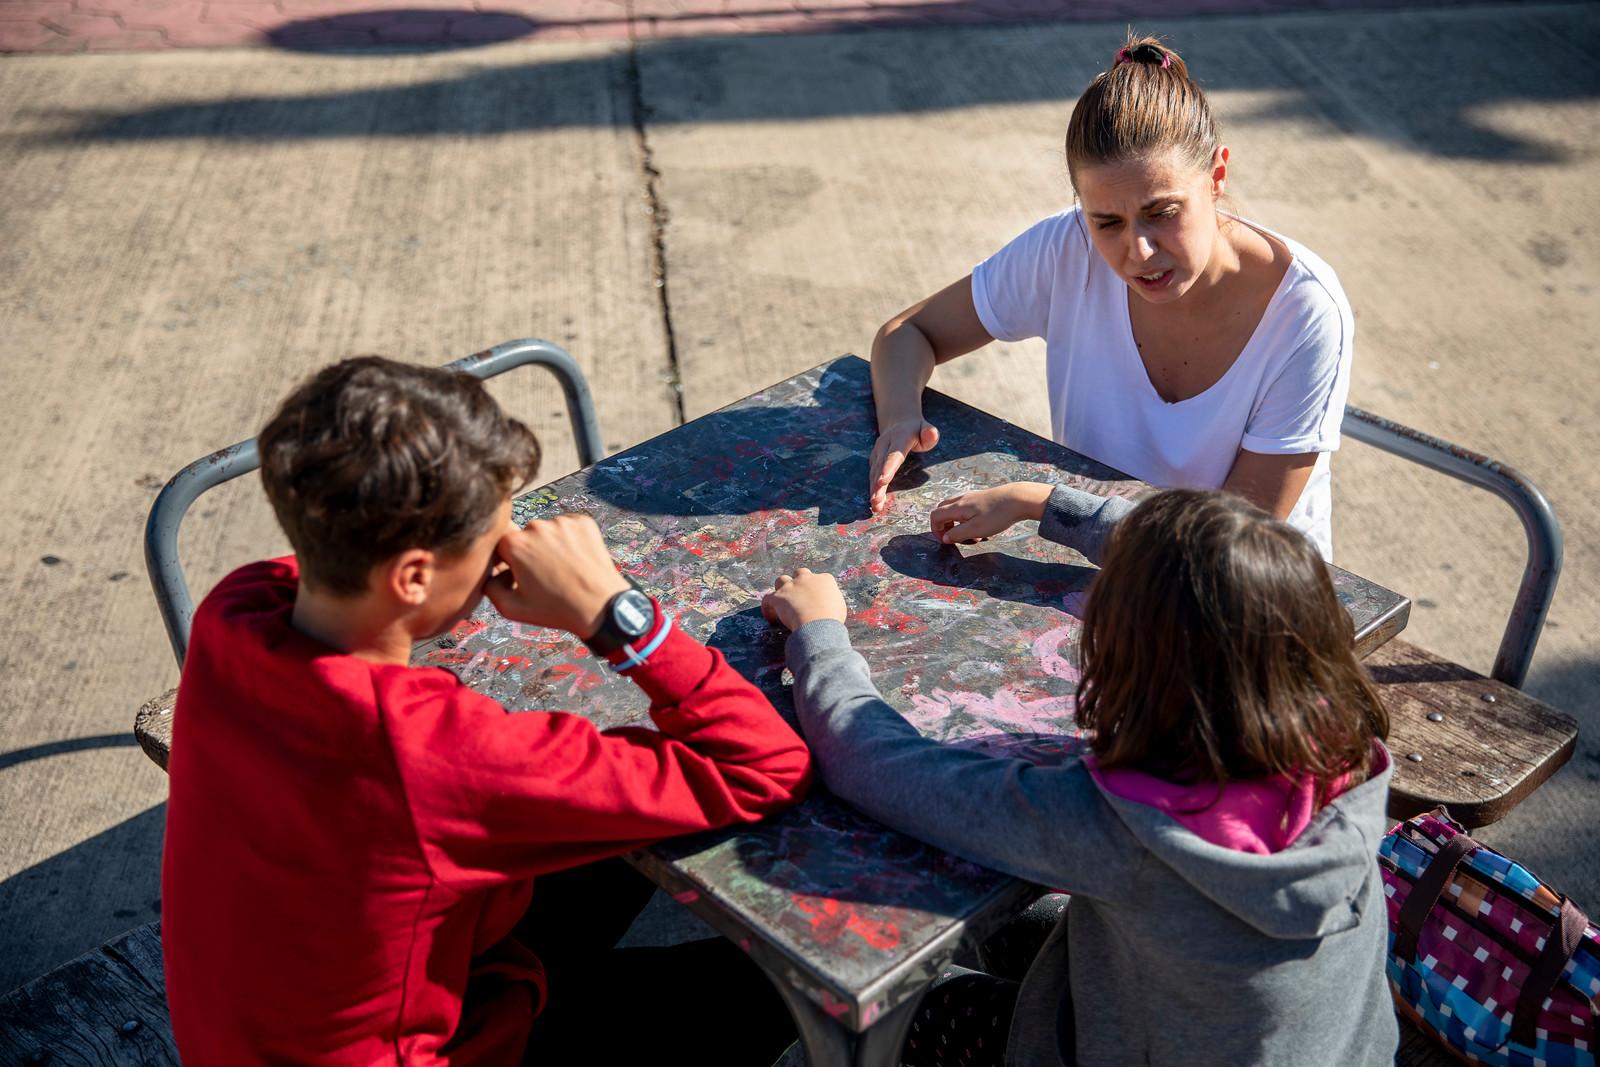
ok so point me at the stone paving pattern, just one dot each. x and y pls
(57, 26)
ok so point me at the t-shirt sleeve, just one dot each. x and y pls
(1303, 405)
(1011, 290)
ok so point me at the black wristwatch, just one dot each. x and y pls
(628, 616)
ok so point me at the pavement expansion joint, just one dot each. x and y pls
(658, 215)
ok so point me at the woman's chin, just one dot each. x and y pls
(1170, 289)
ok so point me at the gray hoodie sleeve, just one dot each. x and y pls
(1082, 521)
(1049, 825)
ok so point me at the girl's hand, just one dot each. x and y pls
(804, 597)
(979, 515)
(895, 443)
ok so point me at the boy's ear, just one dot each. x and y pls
(408, 576)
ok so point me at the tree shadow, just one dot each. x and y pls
(1344, 75)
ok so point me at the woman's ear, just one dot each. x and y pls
(1219, 171)
(408, 576)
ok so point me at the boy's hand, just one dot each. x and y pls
(804, 597)
(559, 573)
(889, 452)
(976, 516)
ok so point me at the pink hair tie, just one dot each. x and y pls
(1123, 56)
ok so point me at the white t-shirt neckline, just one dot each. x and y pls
(1130, 345)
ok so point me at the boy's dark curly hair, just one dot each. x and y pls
(370, 457)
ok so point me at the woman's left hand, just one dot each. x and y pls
(983, 513)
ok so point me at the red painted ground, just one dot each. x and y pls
(317, 25)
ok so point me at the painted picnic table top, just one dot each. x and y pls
(974, 645)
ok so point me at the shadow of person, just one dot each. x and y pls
(755, 648)
(988, 570)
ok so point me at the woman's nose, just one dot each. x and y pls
(1143, 247)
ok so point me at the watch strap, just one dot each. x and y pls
(638, 653)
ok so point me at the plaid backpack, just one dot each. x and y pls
(1483, 955)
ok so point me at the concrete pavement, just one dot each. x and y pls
(186, 233)
(67, 26)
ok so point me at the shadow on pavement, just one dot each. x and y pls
(81, 897)
(1436, 99)
(61, 748)
(383, 32)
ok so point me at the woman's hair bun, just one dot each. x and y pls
(1149, 51)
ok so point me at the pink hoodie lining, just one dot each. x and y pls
(1262, 816)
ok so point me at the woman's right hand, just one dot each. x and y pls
(895, 443)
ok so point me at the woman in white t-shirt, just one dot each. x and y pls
(1186, 347)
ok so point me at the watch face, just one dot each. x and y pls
(633, 613)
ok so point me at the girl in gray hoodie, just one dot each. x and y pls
(1219, 840)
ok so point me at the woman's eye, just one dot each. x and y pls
(1106, 224)
(1169, 213)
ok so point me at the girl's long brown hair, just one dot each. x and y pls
(1214, 649)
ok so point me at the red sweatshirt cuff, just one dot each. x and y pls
(666, 663)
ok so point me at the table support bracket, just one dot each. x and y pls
(829, 1043)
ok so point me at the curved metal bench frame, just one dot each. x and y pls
(1543, 566)
(174, 501)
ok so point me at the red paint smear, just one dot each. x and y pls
(881, 617)
(835, 1008)
(583, 679)
(688, 896)
(467, 628)
(832, 919)
(464, 657)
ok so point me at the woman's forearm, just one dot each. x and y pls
(902, 364)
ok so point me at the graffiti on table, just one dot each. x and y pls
(975, 645)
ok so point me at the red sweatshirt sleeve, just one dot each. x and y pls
(498, 795)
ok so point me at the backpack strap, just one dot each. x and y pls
(1425, 893)
(1559, 944)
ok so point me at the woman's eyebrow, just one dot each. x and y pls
(1165, 198)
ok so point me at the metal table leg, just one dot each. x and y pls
(829, 1043)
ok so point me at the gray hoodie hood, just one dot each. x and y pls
(1310, 889)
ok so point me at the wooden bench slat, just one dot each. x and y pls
(1483, 756)
(80, 1012)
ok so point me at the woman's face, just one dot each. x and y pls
(1154, 220)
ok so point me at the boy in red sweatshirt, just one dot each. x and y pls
(353, 843)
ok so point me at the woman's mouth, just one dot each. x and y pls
(1153, 282)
